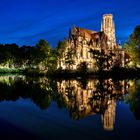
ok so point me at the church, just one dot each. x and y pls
(90, 47)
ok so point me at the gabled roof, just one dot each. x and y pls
(83, 32)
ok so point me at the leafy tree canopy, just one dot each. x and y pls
(132, 46)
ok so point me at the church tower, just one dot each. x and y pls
(108, 27)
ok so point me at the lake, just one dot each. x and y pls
(47, 109)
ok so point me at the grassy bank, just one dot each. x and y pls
(11, 71)
(121, 73)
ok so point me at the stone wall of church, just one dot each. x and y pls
(81, 41)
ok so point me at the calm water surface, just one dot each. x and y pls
(46, 109)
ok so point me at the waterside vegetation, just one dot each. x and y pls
(42, 59)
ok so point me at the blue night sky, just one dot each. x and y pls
(25, 22)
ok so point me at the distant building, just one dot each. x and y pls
(81, 41)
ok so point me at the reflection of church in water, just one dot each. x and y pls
(95, 97)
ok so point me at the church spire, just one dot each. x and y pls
(101, 27)
(108, 27)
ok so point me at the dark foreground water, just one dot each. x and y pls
(46, 109)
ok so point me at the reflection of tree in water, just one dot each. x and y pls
(99, 96)
(133, 98)
(38, 90)
(93, 97)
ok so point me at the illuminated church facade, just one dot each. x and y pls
(81, 41)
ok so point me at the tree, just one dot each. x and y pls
(132, 46)
(83, 68)
(51, 61)
(68, 57)
(102, 59)
(61, 46)
(43, 54)
(133, 98)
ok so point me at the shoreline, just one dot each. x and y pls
(117, 73)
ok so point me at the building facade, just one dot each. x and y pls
(83, 45)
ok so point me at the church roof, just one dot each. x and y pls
(90, 34)
(99, 35)
(84, 32)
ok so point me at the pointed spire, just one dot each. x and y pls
(101, 26)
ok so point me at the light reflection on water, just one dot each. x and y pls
(42, 108)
